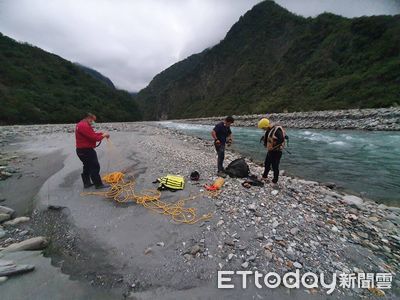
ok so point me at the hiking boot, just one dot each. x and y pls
(86, 181)
(276, 185)
(221, 174)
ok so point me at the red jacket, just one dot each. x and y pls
(85, 136)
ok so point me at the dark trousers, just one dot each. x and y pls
(221, 156)
(91, 166)
(273, 159)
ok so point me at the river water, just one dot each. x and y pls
(363, 162)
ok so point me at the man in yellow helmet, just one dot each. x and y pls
(274, 141)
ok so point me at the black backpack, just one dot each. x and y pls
(238, 168)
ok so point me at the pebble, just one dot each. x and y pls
(251, 258)
(251, 207)
(335, 229)
(259, 235)
(219, 203)
(195, 249)
(160, 244)
(220, 222)
(297, 265)
(268, 255)
(229, 243)
(351, 217)
(363, 235)
(3, 279)
(243, 247)
(373, 219)
(245, 265)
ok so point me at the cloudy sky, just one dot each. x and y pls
(130, 41)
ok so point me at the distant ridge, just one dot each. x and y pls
(97, 75)
(274, 61)
(40, 87)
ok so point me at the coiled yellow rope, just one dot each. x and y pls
(123, 191)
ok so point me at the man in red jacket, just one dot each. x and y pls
(86, 139)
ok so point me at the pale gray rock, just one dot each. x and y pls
(11, 270)
(4, 217)
(36, 243)
(17, 221)
(6, 210)
(353, 200)
(297, 265)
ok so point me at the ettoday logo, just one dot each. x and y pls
(271, 280)
(308, 280)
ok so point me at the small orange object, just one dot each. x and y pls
(218, 183)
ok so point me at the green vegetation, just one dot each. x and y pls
(97, 75)
(39, 87)
(272, 61)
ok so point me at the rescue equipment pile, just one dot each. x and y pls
(123, 191)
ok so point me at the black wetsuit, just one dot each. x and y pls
(222, 132)
(273, 157)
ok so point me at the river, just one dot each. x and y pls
(362, 162)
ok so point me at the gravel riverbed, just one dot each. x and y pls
(297, 224)
(387, 119)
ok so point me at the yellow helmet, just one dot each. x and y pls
(263, 123)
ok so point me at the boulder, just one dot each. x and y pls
(36, 243)
(353, 200)
(330, 185)
(4, 217)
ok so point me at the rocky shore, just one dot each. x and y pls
(295, 225)
(387, 119)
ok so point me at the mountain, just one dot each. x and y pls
(272, 61)
(40, 87)
(97, 75)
